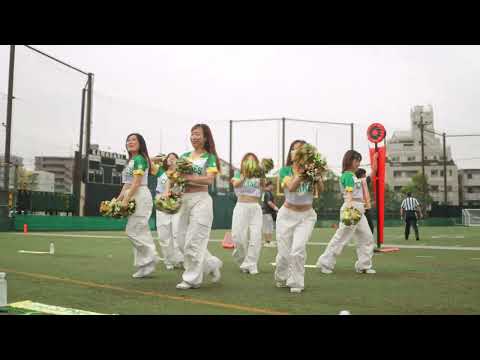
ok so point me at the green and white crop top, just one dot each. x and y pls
(304, 193)
(205, 164)
(250, 187)
(162, 180)
(136, 166)
(350, 183)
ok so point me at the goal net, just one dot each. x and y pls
(471, 217)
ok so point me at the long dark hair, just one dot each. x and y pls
(165, 165)
(348, 158)
(142, 150)
(209, 143)
(242, 167)
(289, 157)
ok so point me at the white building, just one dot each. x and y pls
(469, 182)
(405, 158)
(16, 162)
(43, 181)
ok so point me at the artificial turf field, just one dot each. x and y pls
(92, 271)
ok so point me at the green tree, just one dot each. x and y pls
(416, 187)
(25, 179)
(393, 201)
(330, 200)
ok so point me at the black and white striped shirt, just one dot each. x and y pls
(410, 204)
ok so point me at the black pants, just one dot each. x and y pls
(411, 220)
(369, 219)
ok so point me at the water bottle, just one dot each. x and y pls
(52, 248)
(3, 290)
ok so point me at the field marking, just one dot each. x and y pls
(147, 293)
(475, 259)
(419, 256)
(72, 235)
(307, 266)
(426, 247)
(447, 236)
(33, 252)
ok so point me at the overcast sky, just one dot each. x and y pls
(161, 91)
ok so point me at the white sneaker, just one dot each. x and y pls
(280, 284)
(144, 271)
(324, 270)
(216, 274)
(253, 272)
(169, 267)
(148, 269)
(245, 271)
(185, 286)
(366, 271)
(296, 290)
(139, 273)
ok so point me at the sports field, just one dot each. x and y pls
(92, 271)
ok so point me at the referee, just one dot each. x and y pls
(409, 207)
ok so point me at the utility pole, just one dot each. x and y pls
(283, 141)
(424, 183)
(5, 222)
(351, 136)
(444, 169)
(230, 168)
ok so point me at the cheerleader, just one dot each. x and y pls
(135, 179)
(247, 217)
(352, 191)
(295, 222)
(196, 212)
(167, 224)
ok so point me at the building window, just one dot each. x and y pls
(470, 190)
(435, 157)
(450, 173)
(411, 158)
(434, 172)
(449, 188)
(397, 174)
(441, 172)
(469, 176)
(434, 188)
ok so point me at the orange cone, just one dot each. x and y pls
(25, 228)
(227, 242)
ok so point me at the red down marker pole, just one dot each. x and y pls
(376, 133)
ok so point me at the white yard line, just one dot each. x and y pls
(419, 256)
(72, 235)
(426, 247)
(307, 266)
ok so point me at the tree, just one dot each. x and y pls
(392, 200)
(25, 179)
(416, 187)
(330, 200)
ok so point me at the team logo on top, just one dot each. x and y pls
(376, 133)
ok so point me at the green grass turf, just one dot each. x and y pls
(437, 282)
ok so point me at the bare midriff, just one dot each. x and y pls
(297, 207)
(248, 199)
